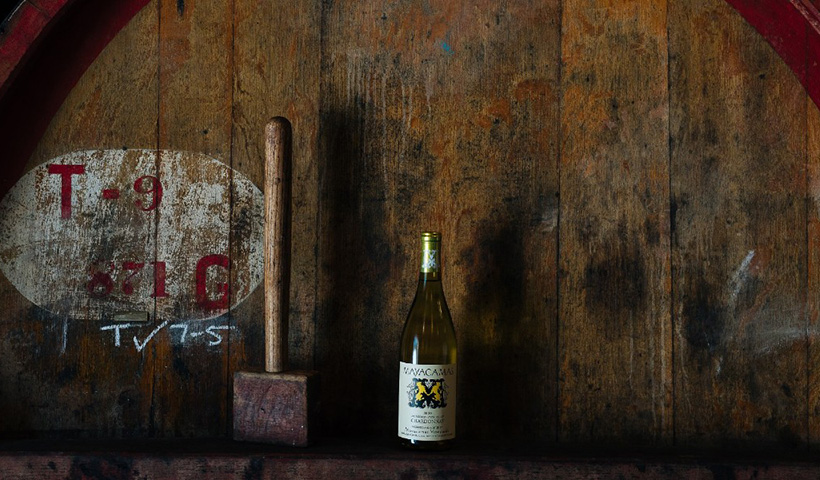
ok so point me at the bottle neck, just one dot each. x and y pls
(425, 278)
(429, 287)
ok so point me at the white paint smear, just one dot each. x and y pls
(740, 277)
(109, 255)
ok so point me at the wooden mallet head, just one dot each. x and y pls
(276, 406)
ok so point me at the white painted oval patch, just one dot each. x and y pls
(96, 233)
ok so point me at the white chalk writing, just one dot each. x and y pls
(188, 330)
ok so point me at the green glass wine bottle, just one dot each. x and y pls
(427, 366)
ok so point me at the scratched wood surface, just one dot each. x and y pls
(195, 101)
(740, 269)
(262, 90)
(614, 342)
(813, 234)
(622, 189)
(813, 270)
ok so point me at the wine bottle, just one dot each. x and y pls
(427, 364)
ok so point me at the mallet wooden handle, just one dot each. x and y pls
(277, 242)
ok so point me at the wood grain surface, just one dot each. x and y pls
(813, 270)
(369, 461)
(58, 376)
(195, 101)
(278, 180)
(422, 88)
(626, 193)
(738, 190)
(265, 85)
(614, 326)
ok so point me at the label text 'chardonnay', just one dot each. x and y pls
(427, 364)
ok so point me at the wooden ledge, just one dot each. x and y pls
(334, 459)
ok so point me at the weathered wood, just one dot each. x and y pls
(119, 91)
(739, 220)
(278, 178)
(352, 459)
(441, 117)
(276, 408)
(470, 119)
(81, 384)
(278, 75)
(191, 391)
(813, 270)
(793, 30)
(615, 379)
(42, 78)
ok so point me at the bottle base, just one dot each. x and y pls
(427, 445)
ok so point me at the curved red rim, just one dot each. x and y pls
(26, 25)
(792, 28)
(49, 44)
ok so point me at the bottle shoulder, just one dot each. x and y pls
(428, 336)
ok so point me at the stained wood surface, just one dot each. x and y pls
(78, 383)
(614, 325)
(740, 270)
(195, 101)
(362, 460)
(813, 270)
(276, 408)
(403, 103)
(625, 192)
(265, 85)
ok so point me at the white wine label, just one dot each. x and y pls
(427, 402)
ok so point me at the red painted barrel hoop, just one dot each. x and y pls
(792, 28)
(47, 47)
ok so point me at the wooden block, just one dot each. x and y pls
(276, 408)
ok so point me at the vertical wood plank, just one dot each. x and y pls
(195, 101)
(812, 131)
(276, 73)
(738, 190)
(440, 116)
(813, 283)
(114, 106)
(615, 352)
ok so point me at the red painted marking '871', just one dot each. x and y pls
(101, 281)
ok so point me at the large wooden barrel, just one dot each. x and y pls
(627, 192)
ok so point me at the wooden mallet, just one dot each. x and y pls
(276, 406)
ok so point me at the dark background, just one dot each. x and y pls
(6, 7)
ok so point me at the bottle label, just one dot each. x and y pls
(429, 260)
(427, 402)
(430, 252)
